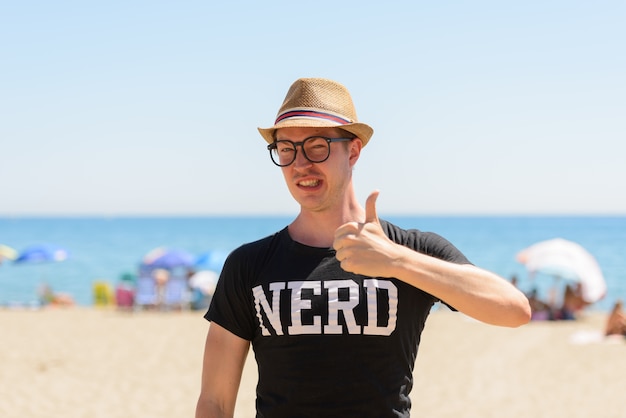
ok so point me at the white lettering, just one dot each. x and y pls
(298, 305)
(272, 312)
(346, 306)
(375, 291)
(372, 327)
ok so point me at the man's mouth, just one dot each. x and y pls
(308, 183)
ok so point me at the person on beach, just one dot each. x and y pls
(616, 321)
(334, 304)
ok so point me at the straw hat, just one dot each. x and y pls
(318, 103)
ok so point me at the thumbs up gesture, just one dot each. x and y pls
(363, 248)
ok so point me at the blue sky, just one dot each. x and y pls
(151, 108)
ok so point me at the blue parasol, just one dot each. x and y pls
(42, 253)
(211, 260)
(167, 258)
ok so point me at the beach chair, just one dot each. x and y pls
(176, 293)
(146, 292)
(125, 292)
(124, 297)
(102, 294)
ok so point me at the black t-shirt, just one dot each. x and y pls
(327, 342)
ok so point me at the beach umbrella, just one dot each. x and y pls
(205, 281)
(7, 253)
(211, 260)
(167, 258)
(568, 260)
(42, 253)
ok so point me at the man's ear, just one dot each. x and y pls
(356, 145)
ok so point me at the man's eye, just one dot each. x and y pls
(312, 143)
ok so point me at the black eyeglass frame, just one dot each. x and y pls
(273, 146)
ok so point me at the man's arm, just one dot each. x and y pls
(476, 292)
(224, 358)
(363, 248)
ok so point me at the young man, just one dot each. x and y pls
(335, 303)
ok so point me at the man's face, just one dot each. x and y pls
(319, 186)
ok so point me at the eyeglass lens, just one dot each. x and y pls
(316, 149)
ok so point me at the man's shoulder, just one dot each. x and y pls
(429, 243)
(400, 235)
(261, 244)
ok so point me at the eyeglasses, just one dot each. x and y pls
(316, 149)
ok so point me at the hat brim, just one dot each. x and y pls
(361, 130)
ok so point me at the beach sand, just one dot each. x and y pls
(89, 362)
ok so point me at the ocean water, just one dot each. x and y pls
(106, 248)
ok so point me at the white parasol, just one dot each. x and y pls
(568, 260)
(205, 281)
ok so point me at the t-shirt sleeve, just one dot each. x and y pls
(428, 243)
(439, 247)
(230, 304)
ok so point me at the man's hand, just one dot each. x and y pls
(363, 248)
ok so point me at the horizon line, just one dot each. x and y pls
(285, 215)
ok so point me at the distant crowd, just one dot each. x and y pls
(157, 289)
(569, 307)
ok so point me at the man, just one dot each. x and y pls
(335, 303)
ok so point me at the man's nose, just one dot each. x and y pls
(301, 160)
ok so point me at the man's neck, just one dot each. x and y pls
(317, 229)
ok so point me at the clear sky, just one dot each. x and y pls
(151, 107)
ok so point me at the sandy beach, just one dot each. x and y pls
(88, 362)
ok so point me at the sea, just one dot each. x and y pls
(106, 248)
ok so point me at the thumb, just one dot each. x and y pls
(370, 207)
